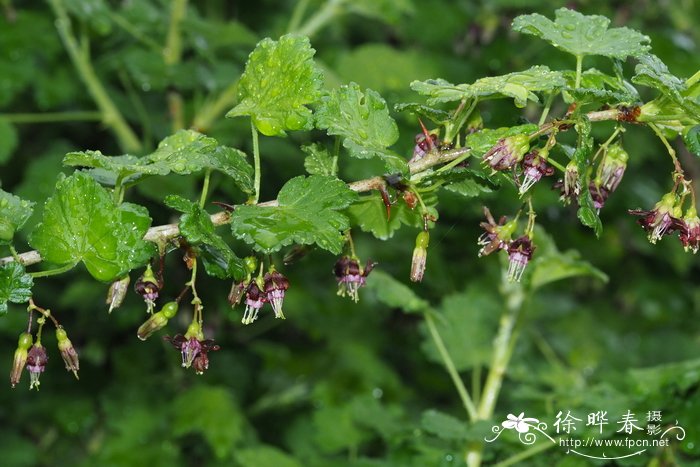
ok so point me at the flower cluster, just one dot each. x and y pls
(498, 236)
(666, 218)
(32, 355)
(270, 288)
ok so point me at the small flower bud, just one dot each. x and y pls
(20, 359)
(507, 152)
(275, 285)
(68, 353)
(420, 255)
(236, 293)
(117, 292)
(612, 167)
(36, 364)
(157, 321)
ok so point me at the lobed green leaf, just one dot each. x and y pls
(280, 79)
(15, 285)
(521, 86)
(307, 213)
(583, 35)
(369, 213)
(81, 222)
(14, 213)
(364, 123)
(318, 160)
(197, 228)
(182, 153)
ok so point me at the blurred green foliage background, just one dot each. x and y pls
(339, 383)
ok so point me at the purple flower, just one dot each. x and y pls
(351, 276)
(534, 168)
(612, 167)
(519, 254)
(496, 236)
(424, 144)
(254, 300)
(507, 152)
(689, 231)
(599, 194)
(275, 285)
(194, 351)
(36, 364)
(664, 219)
(68, 353)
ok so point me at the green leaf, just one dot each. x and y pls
(265, 456)
(188, 151)
(469, 187)
(596, 86)
(197, 228)
(14, 213)
(395, 294)
(183, 153)
(587, 213)
(466, 322)
(211, 412)
(520, 85)
(443, 425)
(15, 285)
(551, 265)
(307, 213)
(280, 79)
(318, 161)
(583, 35)
(8, 140)
(82, 223)
(691, 138)
(652, 72)
(364, 123)
(437, 116)
(481, 141)
(369, 213)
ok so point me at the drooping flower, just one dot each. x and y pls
(254, 300)
(612, 167)
(36, 364)
(599, 194)
(519, 254)
(20, 359)
(194, 351)
(237, 292)
(662, 220)
(424, 144)
(507, 152)
(420, 256)
(68, 353)
(497, 235)
(689, 231)
(275, 285)
(351, 276)
(569, 186)
(117, 292)
(147, 286)
(534, 166)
